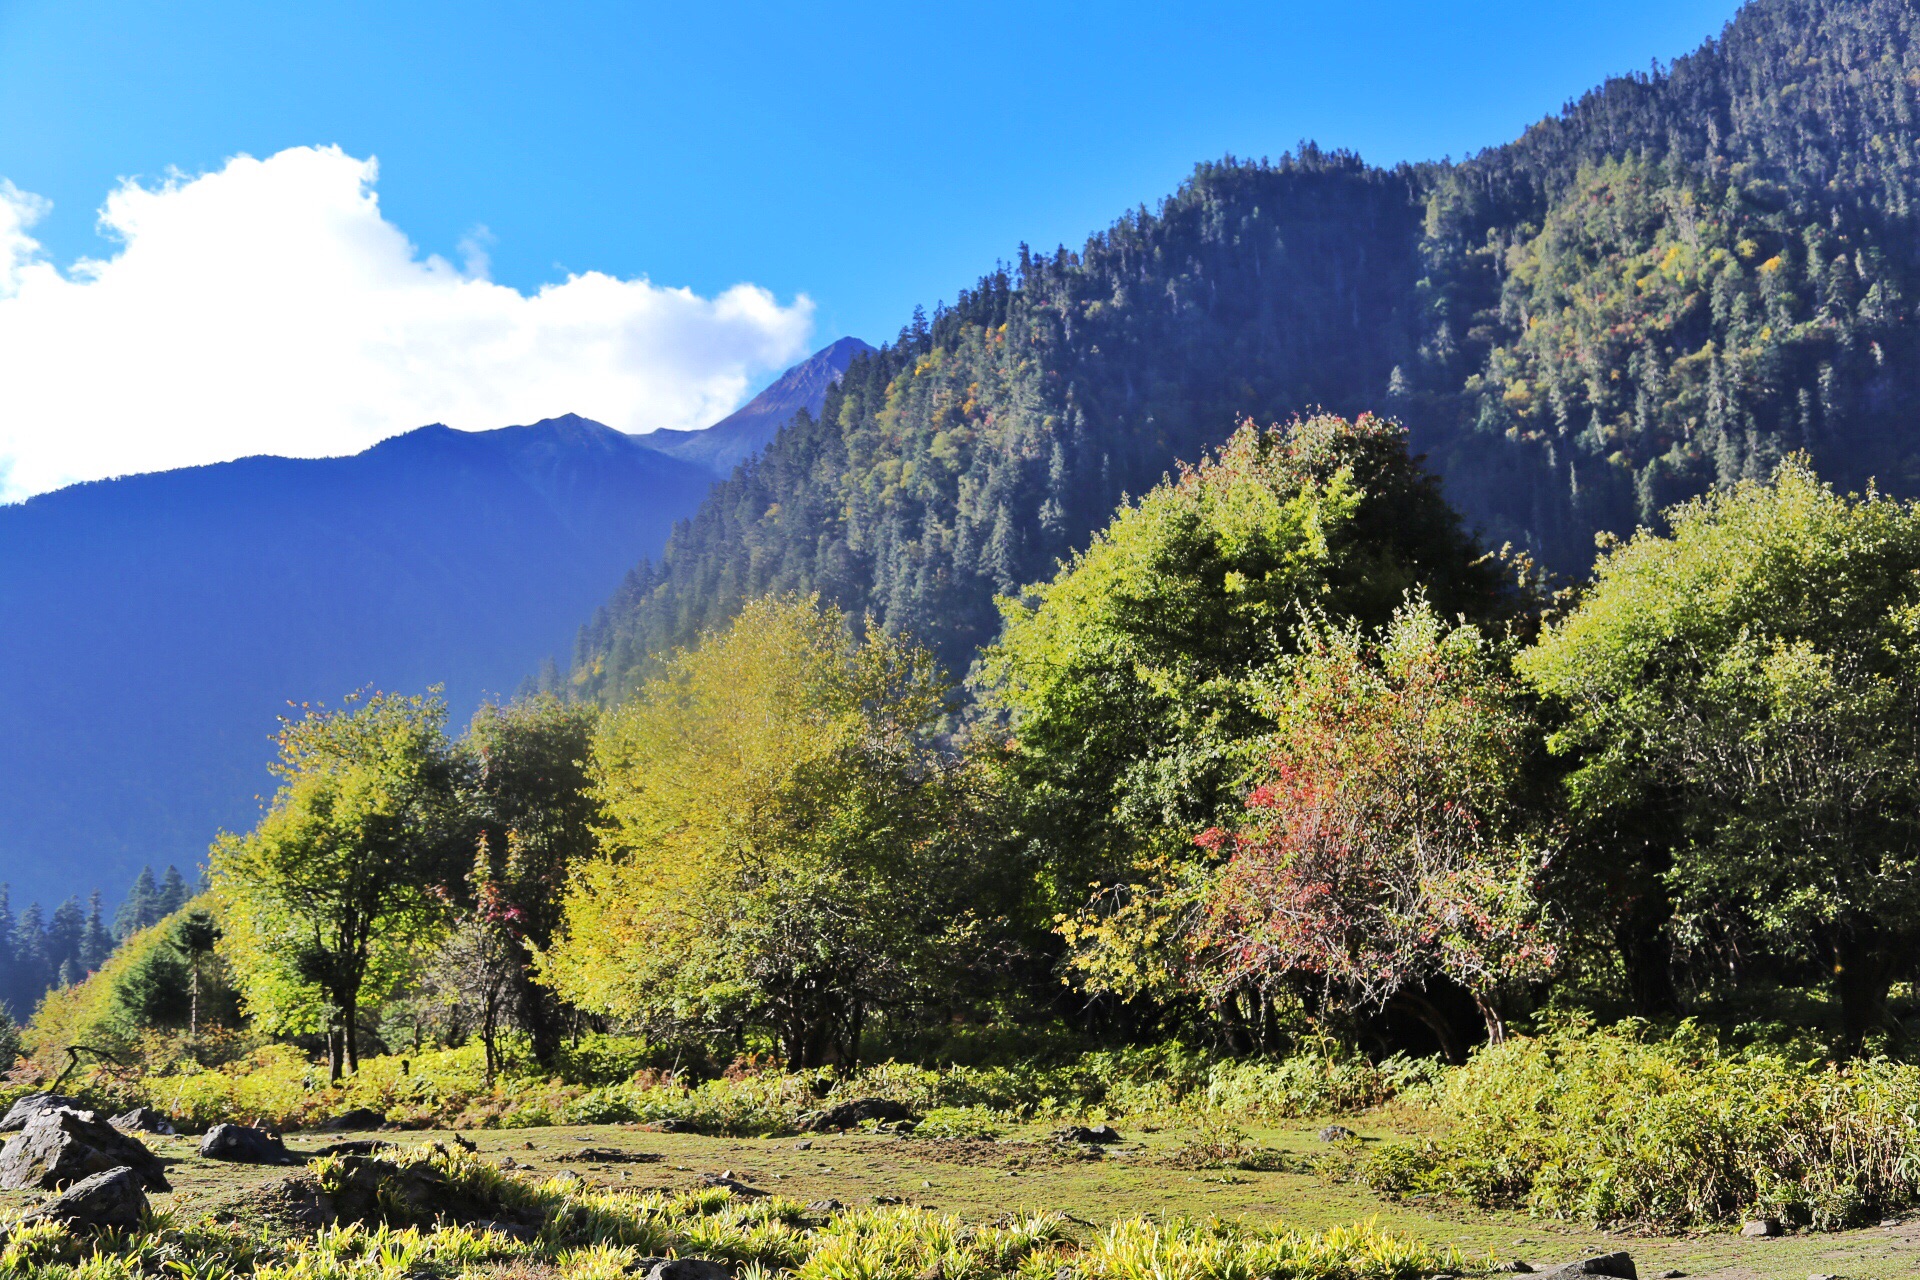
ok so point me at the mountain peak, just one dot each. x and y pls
(738, 436)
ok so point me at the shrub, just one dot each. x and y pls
(1616, 1126)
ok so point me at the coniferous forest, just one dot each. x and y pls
(1679, 279)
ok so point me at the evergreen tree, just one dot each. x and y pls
(137, 912)
(173, 895)
(96, 943)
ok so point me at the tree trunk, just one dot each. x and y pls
(333, 1055)
(193, 1006)
(350, 1029)
(1646, 953)
(1862, 974)
(1496, 1025)
(1435, 1021)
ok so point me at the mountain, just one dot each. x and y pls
(732, 440)
(152, 627)
(1679, 278)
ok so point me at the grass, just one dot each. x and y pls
(214, 1213)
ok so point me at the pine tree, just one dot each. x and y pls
(96, 944)
(173, 894)
(137, 912)
(64, 932)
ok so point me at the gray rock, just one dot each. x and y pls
(115, 1198)
(1098, 1135)
(1618, 1265)
(358, 1118)
(846, 1115)
(682, 1269)
(732, 1184)
(60, 1147)
(1760, 1228)
(824, 1207)
(25, 1109)
(242, 1144)
(1337, 1133)
(357, 1147)
(143, 1120)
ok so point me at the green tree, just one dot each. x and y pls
(537, 812)
(1130, 680)
(348, 878)
(786, 852)
(1761, 666)
(194, 936)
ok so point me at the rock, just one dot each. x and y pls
(1618, 1265)
(357, 1147)
(808, 1146)
(243, 1144)
(115, 1198)
(889, 1200)
(524, 1232)
(33, 1104)
(824, 1207)
(1518, 1268)
(1821, 1275)
(358, 1118)
(366, 1189)
(1672, 1274)
(58, 1148)
(143, 1120)
(681, 1269)
(297, 1203)
(1760, 1228)
(1099, 1135)
(728, 1181)
(1337, 1133)
(846, 1115)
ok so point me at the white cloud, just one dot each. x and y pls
(269, 308)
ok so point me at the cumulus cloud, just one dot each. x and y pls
(268, 307)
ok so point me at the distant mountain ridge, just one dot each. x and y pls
(744, 432)
(152, 627)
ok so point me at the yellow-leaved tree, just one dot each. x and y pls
(786, 850)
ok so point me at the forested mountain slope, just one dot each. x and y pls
(1679, 278)
(152, 627)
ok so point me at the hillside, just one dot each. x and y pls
(1679, 278)
(156, 625)
(744, 432)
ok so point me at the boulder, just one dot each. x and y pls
(143, 1120)
(846, 1115)
(825, 1207)
(357, 1119)
(115, 1198)
(681, 1269)
(1337, 1133)
(357, 1147)
(25, 1109)
(1617, 1265)
(366, 1189)
(61, 1147)
(1098, 1135)
(243, 1144)
(1760, 1228)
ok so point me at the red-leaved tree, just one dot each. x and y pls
(1388, 844)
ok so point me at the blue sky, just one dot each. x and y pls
(867, 156)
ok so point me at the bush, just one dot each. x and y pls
(1616, 1126)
